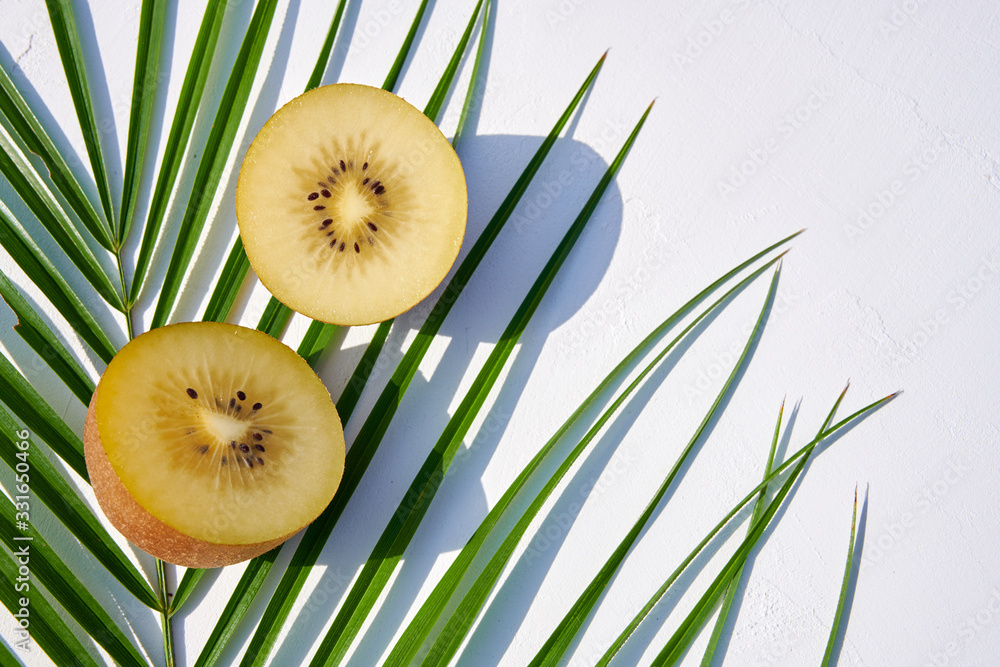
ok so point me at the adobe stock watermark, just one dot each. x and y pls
(759, 154)
(562, 12)
(558, 525)
(708, 34)
(924, 500)
(962, 294)
(968, 630)
(900, 15)
(581, 160)
(22, 551)
(916, 167)
(721, 364)
(609, 312)
(367, 32)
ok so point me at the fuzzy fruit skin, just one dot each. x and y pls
(142, 528)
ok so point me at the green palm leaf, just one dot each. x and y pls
(450, 637)
(758, 509)
(40, 338)
(44, 275)
(27, 128)
(825, 431)
(30, 187)
(559, 641)
(29, 406)
(188, 104)
(678, 644)
(144, 86)
(836, 632)
(68, 41)
(214, 157)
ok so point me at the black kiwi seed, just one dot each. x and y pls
(319, 208)
(232, 402)
(364, 166)
(232, 443)
(258, 406)
(313, 196)
(240, 395)
(259, 448)
(249, 462)
(371, 226)
(333, 243)
(365, 182)
(203, 449)
(342, 247)
(326, 223)
(260, 460)
(238, 408)
(258, 436)
(325, 193)
(356, 248)
(224, 460)
(380, 189)
(267, 431)
(244, 448)
(376, 184)
(343, 167)
(192, 393)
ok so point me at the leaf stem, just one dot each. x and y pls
(168, 635)
(126, 303)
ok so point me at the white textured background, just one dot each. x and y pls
(874, 124)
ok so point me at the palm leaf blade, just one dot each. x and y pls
(43, 274)
(558, 642)
(451, 636)
(35, 413)
(28, 185)
(41, 339)
(71, 52)
(838, 617)
(803, 452)
(27, 128)
(188, 103)
(214, 156)
(758, 509)
(143, 93)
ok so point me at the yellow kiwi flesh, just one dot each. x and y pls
(210, 443)
(351, 204)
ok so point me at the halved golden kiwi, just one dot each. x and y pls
(210, 443)
(351, 204)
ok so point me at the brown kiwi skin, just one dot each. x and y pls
(142, 528)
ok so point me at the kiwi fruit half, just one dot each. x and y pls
(210, 443)
(351, 204)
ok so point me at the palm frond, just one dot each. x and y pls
(71, 52)
(144, 84)
(214, 157)
(29, 130)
